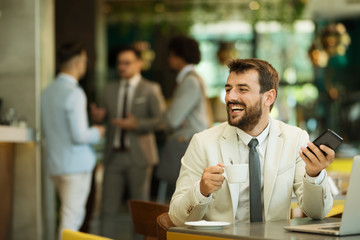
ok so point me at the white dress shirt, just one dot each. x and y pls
(243, 211)
(133, 82)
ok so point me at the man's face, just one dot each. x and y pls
(243, 100)
(128, 65)
(174, 61)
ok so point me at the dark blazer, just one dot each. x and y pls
(147, 106)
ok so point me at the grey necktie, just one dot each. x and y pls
(255, 182)
(123, 115)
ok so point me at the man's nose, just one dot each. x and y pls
(231, 95)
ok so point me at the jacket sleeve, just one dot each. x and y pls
(75, 106)
(188, 94)
(315, 200)
(184, 206)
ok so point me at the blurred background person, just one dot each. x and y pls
(69, 158)
(130, 107)
(186, 115)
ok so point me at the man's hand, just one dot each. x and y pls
(101, 129)
(212, 179)
(316, 160)
(128, 123)
(97, 113)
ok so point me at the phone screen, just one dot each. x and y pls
(328, 138)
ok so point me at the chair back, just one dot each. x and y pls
(143, 216)
(163, 223)
(75, 235)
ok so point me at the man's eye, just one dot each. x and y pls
(243, 89)
(227, 90)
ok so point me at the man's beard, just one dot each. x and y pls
(250, 118)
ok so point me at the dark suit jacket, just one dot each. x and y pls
(147, 106)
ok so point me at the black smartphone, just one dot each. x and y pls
(328, 138)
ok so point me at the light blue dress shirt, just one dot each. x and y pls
(66, 128)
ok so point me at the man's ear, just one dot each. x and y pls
(270, 97)
(76, 61)
(141, 64)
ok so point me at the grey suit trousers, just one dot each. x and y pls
(120, 173)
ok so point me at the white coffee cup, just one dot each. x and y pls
(236, 173)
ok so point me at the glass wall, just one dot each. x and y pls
(284, 46)
(312, 96)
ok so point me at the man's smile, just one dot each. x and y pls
(235, 108)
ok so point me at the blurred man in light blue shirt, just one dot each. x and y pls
(69, 158)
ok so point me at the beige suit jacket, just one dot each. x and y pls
(284, 172)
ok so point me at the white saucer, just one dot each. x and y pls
(203, 224)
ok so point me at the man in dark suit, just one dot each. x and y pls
(130, 107)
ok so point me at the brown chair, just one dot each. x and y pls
(163, 223)
(143, 216)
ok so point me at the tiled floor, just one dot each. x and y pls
(123, 221)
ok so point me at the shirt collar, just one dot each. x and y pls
(246, 138)
(68, 78)
(133, 82)
(188, 68)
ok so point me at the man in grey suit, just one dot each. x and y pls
(69, 158)
(188, 113)
(131, 107)
(283, 164)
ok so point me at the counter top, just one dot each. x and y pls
(16, 134)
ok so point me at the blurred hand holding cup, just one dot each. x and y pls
(236, 173)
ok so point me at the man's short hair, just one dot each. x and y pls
(268, 76)
(129, 48)
(185, 48)
(67, 51)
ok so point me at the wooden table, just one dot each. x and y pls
(268, 230)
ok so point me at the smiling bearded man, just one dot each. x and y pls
(251, 118)
(272, 150)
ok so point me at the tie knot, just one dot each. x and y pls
(253, 143)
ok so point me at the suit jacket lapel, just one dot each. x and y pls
(113, 99)
(272, 160)
(230, 152)
(139, 91)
